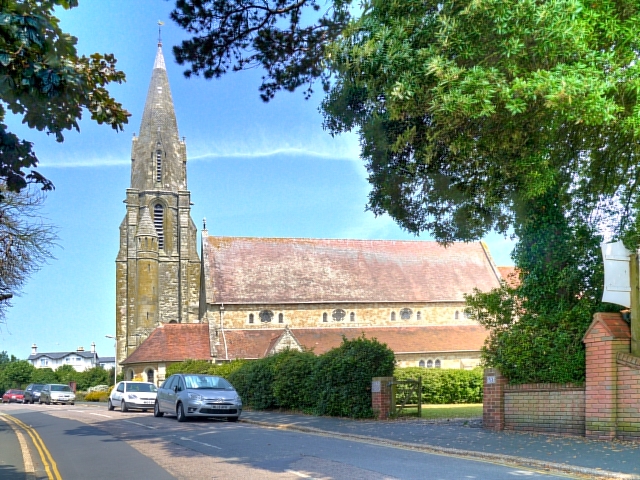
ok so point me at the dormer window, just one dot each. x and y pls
(158, 222)
(158, 166)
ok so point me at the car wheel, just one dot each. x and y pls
(144, 410)
(71, 403)
(48, 403)
(156, 410)
(232, 419)
(123, 407)
(180, 413)
(32, 401)
(109, 405)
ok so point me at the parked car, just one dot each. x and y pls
(56, 393)
(32, 392)
(194, 395)
(133, 395)
(13, 395)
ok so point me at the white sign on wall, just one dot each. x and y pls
(617, 281)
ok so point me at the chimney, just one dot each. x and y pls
(93, 347)
(80, 349)
(34, 349)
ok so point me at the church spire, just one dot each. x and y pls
(159, 155)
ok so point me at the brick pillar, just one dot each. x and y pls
(381, 396)
(493, 399)
(607, 336)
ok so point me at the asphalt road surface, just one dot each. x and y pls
(91, 442)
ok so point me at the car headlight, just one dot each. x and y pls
(196, 397)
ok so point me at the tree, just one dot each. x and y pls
(43, 80)
(242, 34)
(44, 375)
(66, 374)
(25, 241)
(16, 374)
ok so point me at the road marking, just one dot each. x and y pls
(26, 454)
(201, 443)
(99, 415)
(299, 474)
(140, 424)
(47, 460)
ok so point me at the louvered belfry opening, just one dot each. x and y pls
(158, 222)
(158, 166)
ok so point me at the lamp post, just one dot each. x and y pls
(115, 358)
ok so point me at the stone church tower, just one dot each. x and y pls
(157, 267)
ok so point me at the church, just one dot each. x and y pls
(246, 298)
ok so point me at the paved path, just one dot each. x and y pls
(576, 455)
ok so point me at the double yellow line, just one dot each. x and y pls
(45, 456)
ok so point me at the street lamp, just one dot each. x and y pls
(115, 358)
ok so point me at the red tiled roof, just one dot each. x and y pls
(173, 342)
(257, 343)
(613, 324)
(510, 276)
(298, 270)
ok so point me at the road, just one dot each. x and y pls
(91, 442)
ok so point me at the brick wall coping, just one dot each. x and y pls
(613, 324)
(543, 387)
(628, 360)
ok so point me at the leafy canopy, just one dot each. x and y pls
(285, 37)
(46, 83)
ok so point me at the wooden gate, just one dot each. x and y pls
(406, 394)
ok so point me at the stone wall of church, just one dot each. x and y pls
(168, 299)
(459, 360)
(344, 315)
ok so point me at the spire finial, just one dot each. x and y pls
(204, 223)
(160, 24)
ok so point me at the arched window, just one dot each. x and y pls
(158, 222)
(405, 314)
(421, 363)
(456, 315)
(393, 316)
(429, 363)
(251, 318)
(338, 315)
(158, 166)
(130, 374)
(324, 317)
(150, 376)
(266, 316)
(280, 318)
(418, 316)
(438, 363)
(352, 316)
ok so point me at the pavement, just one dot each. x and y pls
(575, 456)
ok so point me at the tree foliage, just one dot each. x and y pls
(25, 241)
(46, 83)
(285, 37)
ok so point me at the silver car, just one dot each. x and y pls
(56, 393)
(194, 395)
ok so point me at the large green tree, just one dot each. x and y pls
(44, 81)
(494, 115)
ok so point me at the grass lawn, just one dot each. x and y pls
(443, 412)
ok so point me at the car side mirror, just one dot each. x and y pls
(175, 389)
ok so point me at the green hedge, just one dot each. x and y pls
(337, 383)
(446, 386)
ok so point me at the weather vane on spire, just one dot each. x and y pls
(160, 24)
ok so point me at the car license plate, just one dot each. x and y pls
(148, 402)
(222, 407)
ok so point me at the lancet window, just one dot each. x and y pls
(158, 222)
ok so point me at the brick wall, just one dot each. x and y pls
(628, 398)
(544, 407)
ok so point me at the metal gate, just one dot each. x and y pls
(406, 394)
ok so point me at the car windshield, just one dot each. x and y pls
(141, 387)
(60, 388)
(199, 382)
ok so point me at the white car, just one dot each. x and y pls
(133, 395)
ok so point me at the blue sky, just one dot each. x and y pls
(254, 169)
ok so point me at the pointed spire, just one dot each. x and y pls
(145, 225)
(159, 63)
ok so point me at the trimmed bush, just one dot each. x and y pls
(446, 386)
(294, 385)
(95, 397)
(343, 377)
